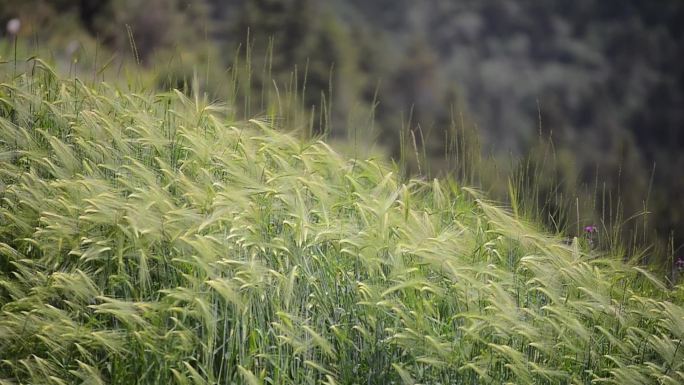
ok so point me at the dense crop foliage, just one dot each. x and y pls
(145, 238)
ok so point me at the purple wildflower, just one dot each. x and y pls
(679, 263)
(591, 229)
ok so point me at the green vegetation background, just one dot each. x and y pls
(579, 103)
(150, 235)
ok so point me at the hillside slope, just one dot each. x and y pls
(145, 239)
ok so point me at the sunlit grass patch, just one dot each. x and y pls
(149, 238)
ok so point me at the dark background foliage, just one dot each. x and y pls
(603, 80)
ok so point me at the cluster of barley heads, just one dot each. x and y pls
(145, 238)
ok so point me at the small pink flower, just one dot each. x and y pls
(591, 229)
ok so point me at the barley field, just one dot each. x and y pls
(148, 238)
